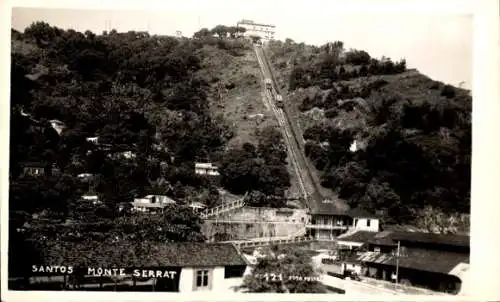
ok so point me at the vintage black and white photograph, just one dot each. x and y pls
(240, 151)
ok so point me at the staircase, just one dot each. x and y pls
(224, 208)
(300, 233)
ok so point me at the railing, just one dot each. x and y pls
(265, 242)
(226, 207)
(327, 226)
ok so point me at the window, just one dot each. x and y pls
(202, 279)
(376, 250)
(368, 222)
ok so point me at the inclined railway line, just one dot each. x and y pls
(306, 185)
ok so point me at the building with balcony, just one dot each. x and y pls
(327, 221)
(206, 169)
(151, 203)
(264, 31)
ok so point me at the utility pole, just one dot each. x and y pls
(397, 264)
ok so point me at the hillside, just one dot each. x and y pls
(383, 137)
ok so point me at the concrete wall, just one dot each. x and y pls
(223, 231)
(362, 224)
(266, 214)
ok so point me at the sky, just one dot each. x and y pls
(439, 45)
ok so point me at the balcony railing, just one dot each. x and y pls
(327, 226)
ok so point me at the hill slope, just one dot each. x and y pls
(385, 138)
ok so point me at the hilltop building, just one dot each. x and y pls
(264, 31)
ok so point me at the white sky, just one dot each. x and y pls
(440, 45)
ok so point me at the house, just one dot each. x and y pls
(92, 197)
(152, 203)
(437, 262)
(206, 169)
(93, 139)
(169, 267)
(34, 169)
(197, 206)
(364, 221)
(37, 169)
(58, 126)
(355, 239)
(328, 222)
(264, 31)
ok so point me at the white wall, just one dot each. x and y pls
(362, 224)
(219, 284)
(186, 280)
(349, 244)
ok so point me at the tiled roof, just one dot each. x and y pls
(359, 236)
(383, 238)
(199, 254)
(326, 208)
(105, 254)
(420, 259)
(391, 238)
(420, 237)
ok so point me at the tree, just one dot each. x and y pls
(202, 33)
(278, 270)
(434, 220)
(221, 31)
(357, 57)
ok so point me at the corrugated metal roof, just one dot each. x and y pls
(419, 259)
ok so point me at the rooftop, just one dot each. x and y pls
(359, 236)
(391, 238)
(148, 204)
(326, 207)
(144, 254)
(250, 22)
(205, 166)
(420, 259)
(430, 238)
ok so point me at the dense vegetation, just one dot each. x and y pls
(281, 270)
(412, 134)
(146, 100)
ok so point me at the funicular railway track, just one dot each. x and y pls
(306, 182)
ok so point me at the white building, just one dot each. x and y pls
(58, 126)
(170, 267)
(151, 203)
(364, 221)
(92, 197)
(206, 169)
(264, 31)
(93, 139)
(197, 206)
